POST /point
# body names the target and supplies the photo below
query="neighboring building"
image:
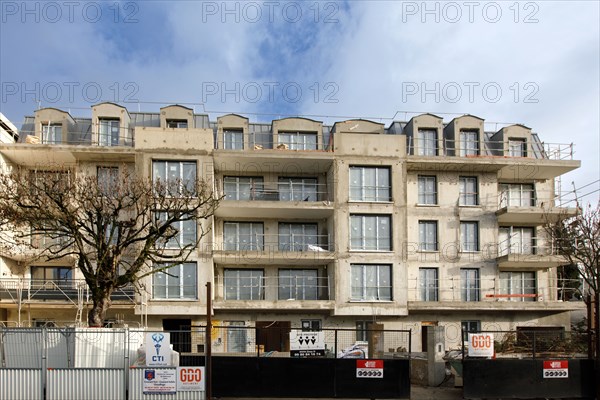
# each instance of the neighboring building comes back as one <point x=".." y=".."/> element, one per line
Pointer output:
<point x="8" y="132"/>
<point x="420" y="223"/>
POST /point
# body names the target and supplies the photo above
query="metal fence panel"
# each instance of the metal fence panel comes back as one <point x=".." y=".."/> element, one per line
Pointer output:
<point x="21" y="348"/>
<point x="100" y="348"/>
<point x="20" y="384"/>
<point x="85" y="384"/>
<point x="136" y="392"/>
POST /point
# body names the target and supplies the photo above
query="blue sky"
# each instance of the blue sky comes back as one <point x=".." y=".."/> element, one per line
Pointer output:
<point x="535" y="63"/>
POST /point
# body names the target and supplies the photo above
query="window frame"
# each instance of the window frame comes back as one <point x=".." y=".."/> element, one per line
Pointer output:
<point x="296" y="140"/>
<point x="468" y="137"/>
<point x="382" y="192"/>
<point x="287" y="188"/>
<point x="183" y="237"/>
<point x="231" y="141"/>
<point x="257" y="245"/>
<point x="521" y="279"/>
<point x="468" y="291"/>
<point x="467" y="246"/>
<point x="108" y="138"/>
<point x="184" y="282"/>
<point x="424" y="244"/>
<point x="379" y="288"/>
<point x="239" y="284"/>
<point x="291" y="245"/>
<point x="380" y="241"/>
<point x="49" y="130"/>
<point x="256" y="186"/>
<point x="177" y="123"/>
<point x="517" y="147"/>
<point x="423" y="194"/>
<point x="425" y="143"/>
<point x="183" y="166"/>
<point x="524" y="193"/>
<point x="307" y="292"/>
<point x="468" y="198"/>
<point x="428" y="290"/>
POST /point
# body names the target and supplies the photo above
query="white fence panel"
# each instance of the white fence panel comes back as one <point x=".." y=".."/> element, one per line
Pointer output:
<point x="136" y="389"/>
<point x="85" y="384"/>
<point x="22" y="348"/>
<point x="100" y="348"/>
<point x="20" y="384"/>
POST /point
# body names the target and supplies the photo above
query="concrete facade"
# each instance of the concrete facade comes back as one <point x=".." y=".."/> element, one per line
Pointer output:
<point x="423" y="223"/>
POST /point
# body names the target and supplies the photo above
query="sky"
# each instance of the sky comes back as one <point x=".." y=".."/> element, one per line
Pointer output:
<point x="531" y="62"/>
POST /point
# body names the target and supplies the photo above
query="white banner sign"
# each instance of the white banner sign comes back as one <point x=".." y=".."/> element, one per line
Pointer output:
<point x="160" y="381"/>
<point x="307" y="344"/>
<point x="158" y="350"/>
<point x="190" y="379"/>
<point x="481" y="345"/>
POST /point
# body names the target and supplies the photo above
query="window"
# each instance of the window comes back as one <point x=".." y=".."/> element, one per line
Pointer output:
<point x="297" y="189"/>
<point x="428" y="284"/>
<point x="428" y="240"/>
<point x="177" y="123"/>
<point x="52" y="133"/>
<point x="243" y="187"/>
<point x="184" y="232"/>
<point x="516" y="195"/>
<point x="469" y="278"/>
<point x="427" y="142"/>
<point x="108" y="179"/>
<point x="297" y="237"/>
<point x="311" y="325"/>
<point x="371" y="232"/>
<point x="469" y="195"/>
<point x="469" y="143"/>
<point x="243" y="236"/>
<point x="370" y="184"/>
<point x="52" y="278"/>
<point x="244" y="284"/>
<point x="521" y="284"/>
<point x="427" y="189"/>
<point x="298" y="284"/>
<point x="176" y="282"/>
<point x="237" y="337"/>
<point x="516" y="240"/>
<point x="371" y="282"/>
<point x="233" y="139"/>
<point x="362" y="329"/>
<point x="298" y="140"/>
<point x="469" y="236"/>
<point x="517" y="147"/>
<point x="108" y="134"/>
<point x="470" y="327"/>
<point x="178" y="176"/>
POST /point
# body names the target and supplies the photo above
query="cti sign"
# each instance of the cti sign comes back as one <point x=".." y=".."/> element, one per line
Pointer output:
<point x="158" y="349"/>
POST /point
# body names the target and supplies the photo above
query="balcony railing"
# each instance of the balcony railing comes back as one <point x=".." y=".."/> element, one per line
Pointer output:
<point x="55" y="289"/>
<point x="264" y="141"/>
<point x="453" y="289"/>
<point x="294" y="242"/>
<point x="288" y="191"/>
<point x="527" y="246"/>
<point x="273" y="288"/>
<point x="538" y="150"/>
<point x="83" y="138"/>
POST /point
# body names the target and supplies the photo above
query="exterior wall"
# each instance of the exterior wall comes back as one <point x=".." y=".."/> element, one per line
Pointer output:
<point x="179" y="113"/>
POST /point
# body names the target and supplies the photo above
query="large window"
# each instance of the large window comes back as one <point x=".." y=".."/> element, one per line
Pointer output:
<point x="371" y="282"/>
<point x="297" y="189"/>
<point x="427" y="142"/>
<point x="469" y="143"/>
<point x="428" y="236"/>
<point x="243" y="187"/>
<point x="427" y="190"/>
<point x="52" y="133"/>
<point x="233" y="139"/>
<point x="298" y="140"/>
<point x="428" y="284"/>
<point x="297" y="236"/>
<point x="108" y="179"/>
<point x="370" y="184"/>
<point x="51" y="278"/>
<point x="469" y="194"/>
<point x="298" y="284"/>
<point x="517" y="147"/>
<point x="469" y="284"/>
<point x="178" y="176"/>
<point x="244" y="284"/>
<point x="472" y="326"/>
<point x="516" y="240"/>
<point x="516" y="195"/>
<point x="371" y="232"/>
<point x="177" y="123"/>
<point x="108" y="132"/>
<point x="520" y="286"/>
<point x="177" y="282"/>
<point x="184" y="232"/>
<point x="469" y="236"/>
<point x="243" y="236"/>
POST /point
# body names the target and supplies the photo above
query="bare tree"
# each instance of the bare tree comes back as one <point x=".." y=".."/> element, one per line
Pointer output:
<point x="117" y="230"/>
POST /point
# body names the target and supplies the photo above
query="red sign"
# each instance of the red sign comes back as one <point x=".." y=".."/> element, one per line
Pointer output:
<point x="369" y="368"/>
<point x="556" y="369"/>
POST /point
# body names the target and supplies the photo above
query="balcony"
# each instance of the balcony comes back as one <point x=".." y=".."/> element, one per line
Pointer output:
<point x="530" y="208"/>
<point x="293" y="249"/>
<point x="55" y="291"/>
<point x="294" y="200"/>
<point x="490" y="294"/>
<point x="528" y="253"/>
<point x="273" y="293"/>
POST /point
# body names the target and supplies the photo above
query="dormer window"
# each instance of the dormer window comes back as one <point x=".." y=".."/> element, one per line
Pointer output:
<point x="517" y="147"/>
<point x="177" y="123"/>
<point x="108" y="132"/>
<point x="52" y="133"/>
<point x="427" y="142"/>
<point x="469" y="143"/>
<point x="297" y="140"/>
<point x="233" y="139"/>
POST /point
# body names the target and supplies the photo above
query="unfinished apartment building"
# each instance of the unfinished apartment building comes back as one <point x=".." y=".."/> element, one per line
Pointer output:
<point x="420" y="223"/>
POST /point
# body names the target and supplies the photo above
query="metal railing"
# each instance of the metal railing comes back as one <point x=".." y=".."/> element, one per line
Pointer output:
<point x="265" y="141"/>
<point x="56" y="289"/>
<point x="87" y="138"/>
<point x="273" y="288"/>
<point x="282" y="191"/>
<point x="540" y="246"/>
<point x="293" y="242"/>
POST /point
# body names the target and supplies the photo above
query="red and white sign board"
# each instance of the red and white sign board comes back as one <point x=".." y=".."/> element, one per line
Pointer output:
<point x="481" y="345"/>
<point x="369" y="368"/>
<point x="556" y="369"/>
<point x="190" y="379"/>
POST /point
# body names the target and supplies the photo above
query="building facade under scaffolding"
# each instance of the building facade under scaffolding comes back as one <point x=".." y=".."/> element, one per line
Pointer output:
<point x="419" y="223"/>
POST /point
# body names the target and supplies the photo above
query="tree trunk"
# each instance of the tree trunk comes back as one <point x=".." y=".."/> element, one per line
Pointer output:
<point x="100" y="305"/>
